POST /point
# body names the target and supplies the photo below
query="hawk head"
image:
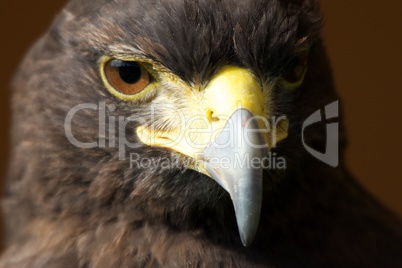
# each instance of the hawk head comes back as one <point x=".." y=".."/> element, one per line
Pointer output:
<point x="166" y="111"/>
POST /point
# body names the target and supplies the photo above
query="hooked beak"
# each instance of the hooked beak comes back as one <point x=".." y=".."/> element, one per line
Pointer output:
<point x="242" y="182"/>
<point x="233" y="107"/>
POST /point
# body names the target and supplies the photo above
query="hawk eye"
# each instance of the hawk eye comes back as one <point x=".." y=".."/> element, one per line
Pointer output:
<point x="295" y="70"/>
<point x="126" y="77"/>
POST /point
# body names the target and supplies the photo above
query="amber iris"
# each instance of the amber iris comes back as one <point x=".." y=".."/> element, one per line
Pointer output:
<point x="127" y="77"/>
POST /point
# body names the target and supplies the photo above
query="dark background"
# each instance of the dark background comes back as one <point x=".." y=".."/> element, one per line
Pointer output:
<point x="364" y="42"/>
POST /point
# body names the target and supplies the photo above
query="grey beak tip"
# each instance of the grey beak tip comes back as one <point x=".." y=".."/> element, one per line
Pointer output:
<point x="246" y="240"/>
<point x="247" y="218"/>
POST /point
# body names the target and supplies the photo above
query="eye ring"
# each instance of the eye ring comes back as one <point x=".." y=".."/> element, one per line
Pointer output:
<point x="294" y="72"/>
<point x="126" y="79"/>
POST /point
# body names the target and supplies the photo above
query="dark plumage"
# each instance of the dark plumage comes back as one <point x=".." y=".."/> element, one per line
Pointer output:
<point x="73" y="207"/>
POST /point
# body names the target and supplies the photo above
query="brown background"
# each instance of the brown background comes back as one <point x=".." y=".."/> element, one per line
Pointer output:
<point x="364" y="41"/>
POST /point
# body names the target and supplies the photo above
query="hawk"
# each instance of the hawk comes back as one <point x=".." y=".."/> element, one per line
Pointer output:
<point x="173" y="134"/>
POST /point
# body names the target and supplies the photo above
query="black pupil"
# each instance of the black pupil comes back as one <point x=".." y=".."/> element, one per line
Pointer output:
<point x="130" y="72"/>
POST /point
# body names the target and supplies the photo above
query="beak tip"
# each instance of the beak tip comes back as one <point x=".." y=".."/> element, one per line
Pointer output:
<point x="246" y="240"/>
<point x="247" y="228"/>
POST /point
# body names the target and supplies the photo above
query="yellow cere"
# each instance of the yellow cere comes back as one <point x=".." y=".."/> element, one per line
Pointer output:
<point x="233" y="88"/>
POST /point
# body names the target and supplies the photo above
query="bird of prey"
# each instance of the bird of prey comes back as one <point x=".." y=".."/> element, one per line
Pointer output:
<point x="141" y="135"/>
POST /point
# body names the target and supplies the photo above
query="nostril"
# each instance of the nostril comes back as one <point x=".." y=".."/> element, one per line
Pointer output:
<point x="210" y="115"/>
